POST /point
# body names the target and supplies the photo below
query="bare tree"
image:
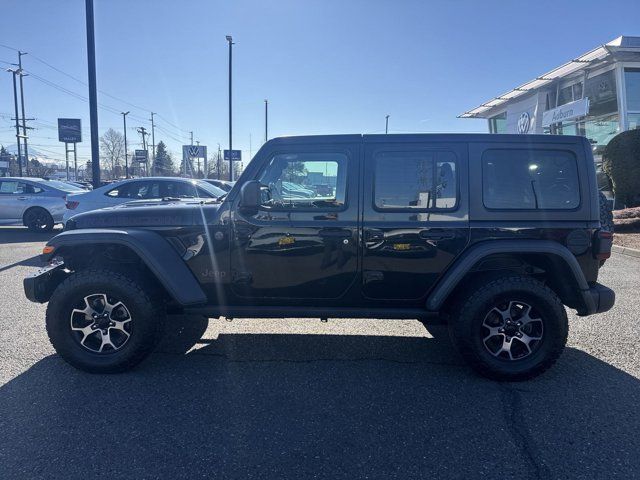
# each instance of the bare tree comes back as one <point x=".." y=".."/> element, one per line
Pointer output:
<point x="112" y="150"/>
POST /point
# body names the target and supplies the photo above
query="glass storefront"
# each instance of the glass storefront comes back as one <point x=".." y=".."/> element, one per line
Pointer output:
<point x="634" y="120"/>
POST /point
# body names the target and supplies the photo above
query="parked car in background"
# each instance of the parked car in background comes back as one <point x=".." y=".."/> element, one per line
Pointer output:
<point x="33" y="202"/>
<point x="221" y="184"/>
<point x="139" y="189"/>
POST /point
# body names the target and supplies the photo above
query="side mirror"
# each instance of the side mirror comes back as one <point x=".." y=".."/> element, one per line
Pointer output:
<point x="250" y="197"/>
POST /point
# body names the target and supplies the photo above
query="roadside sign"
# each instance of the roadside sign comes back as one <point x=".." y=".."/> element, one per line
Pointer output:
<point x="140" y="156"/>
<point x="235" y="155"/>
<point x="69" y="130"/>
<point x="194" y="151"/>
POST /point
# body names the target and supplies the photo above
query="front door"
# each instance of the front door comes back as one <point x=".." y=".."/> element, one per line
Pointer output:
<point x="302" y="243"/>
<point x="15" y="197"/>
<point x="415" y="216"/>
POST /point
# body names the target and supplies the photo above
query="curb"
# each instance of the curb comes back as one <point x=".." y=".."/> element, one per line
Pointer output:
<point x="632" y="252"/>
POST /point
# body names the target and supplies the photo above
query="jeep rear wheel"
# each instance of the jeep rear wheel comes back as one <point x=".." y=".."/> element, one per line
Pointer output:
<point x="513" y="328"/>
<point x="102" y="321"/>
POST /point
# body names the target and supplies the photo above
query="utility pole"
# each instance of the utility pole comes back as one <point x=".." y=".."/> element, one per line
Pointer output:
<point x="24" y="121"/>
<point x="198" y="172"/>
<point x="126" y="153"/>
<point x="219" y="163"/>
<point x="386" y="128"/>
<point x="93" y="94"/>
<point x="266" y="120"/>
<point x="191" y="137"/>
<point x="143" y="131"/>
<point x="15" y="103"/>
<point x="230" y="40"/>
<point x="153" y="145"/>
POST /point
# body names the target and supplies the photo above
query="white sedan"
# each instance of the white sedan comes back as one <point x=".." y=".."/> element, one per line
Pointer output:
<point x="138" y="189"/>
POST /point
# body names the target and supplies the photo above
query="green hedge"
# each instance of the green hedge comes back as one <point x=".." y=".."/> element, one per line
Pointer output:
<point x="621" y="161"/>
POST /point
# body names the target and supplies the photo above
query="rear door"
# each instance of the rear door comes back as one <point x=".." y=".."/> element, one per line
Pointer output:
<point x="415" y="215"/>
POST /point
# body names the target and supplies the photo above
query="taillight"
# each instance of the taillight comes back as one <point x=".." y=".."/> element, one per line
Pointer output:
<point x="602" y="244"/>
<point x="71" y="205"/>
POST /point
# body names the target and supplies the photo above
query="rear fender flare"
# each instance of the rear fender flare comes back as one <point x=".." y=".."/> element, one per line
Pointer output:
<point x="463" y="265"/>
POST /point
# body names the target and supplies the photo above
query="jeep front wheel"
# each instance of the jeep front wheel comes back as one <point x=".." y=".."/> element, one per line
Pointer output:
<point x="512" y="328"/>
<point x="103" y="322"/>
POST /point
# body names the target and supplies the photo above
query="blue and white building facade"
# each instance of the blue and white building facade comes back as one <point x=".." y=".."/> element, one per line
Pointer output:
<point x="596" y="95"/>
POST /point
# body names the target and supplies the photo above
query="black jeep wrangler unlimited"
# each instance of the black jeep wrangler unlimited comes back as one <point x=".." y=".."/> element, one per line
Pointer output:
<point x="492" y="233"/>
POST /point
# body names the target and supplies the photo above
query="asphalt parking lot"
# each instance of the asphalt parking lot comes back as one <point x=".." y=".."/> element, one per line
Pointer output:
<point x="304" y="399"/>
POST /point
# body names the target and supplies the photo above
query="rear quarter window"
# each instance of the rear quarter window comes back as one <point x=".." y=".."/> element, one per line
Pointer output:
<point x="527" y="179"/>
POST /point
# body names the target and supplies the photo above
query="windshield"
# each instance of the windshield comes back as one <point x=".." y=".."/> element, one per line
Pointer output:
<point x="213" y="190"/>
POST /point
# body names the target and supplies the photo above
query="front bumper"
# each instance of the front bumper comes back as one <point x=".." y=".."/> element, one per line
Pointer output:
<point x="39" y="286"/>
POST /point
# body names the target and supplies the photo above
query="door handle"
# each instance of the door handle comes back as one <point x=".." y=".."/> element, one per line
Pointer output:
<point x="435" y="235"/>
<point x="373" y="235"/>
<point x="23" y="198"/>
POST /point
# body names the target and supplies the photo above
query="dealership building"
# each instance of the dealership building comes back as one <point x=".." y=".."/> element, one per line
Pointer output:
<point x="596" y="95"/>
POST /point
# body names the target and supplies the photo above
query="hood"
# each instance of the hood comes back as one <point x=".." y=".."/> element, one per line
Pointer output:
<point x="153" y="213"/>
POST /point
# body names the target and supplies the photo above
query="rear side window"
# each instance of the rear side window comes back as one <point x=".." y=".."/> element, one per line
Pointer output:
<point x="136" y="190"/>
<point x="530" y="180"/>
<point x="415" y="180"/>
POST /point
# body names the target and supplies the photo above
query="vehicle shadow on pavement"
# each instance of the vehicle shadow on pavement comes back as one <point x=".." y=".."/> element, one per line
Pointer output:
<point x="321" y="406"/>
<point x="34" y="261"/>
<point x="23" y="235"/>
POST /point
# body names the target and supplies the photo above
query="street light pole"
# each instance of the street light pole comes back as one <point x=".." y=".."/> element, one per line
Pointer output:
<point x="93" y="94"/>
<point x="126" y="154"/>
<point x="386" y="128"/>
<point x="230" y="40"/>
<point x="266" y="120"/>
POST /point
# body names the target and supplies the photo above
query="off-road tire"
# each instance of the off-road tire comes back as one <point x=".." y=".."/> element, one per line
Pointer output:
<point x="37" y="219"/>
<point x="468" y="315"/>
<point x="147" y="315"/>
<point x="606" y="215"/>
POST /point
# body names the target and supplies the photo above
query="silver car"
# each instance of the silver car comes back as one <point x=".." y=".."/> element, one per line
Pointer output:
<point x="36" y="203"/>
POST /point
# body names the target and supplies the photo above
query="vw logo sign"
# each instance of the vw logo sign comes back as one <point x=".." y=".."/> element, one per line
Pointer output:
<point x="524" y="122"/>
<point x="193" y="151"/>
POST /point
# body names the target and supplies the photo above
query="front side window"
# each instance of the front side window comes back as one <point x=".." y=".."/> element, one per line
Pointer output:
<point x="415" y="180"/>
<point x="530" y="180"/>
<point x="305" y="181"/>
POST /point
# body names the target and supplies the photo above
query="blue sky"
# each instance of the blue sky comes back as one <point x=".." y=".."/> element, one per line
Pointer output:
<point x="326" y="66"/>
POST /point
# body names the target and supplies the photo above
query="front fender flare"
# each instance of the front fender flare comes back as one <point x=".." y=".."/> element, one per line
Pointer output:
<point x="157" y="254"/>
<point x="463" y="265"/>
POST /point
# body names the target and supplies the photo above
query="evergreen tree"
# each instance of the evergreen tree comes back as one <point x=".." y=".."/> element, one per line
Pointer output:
<point x="163" y="163"/>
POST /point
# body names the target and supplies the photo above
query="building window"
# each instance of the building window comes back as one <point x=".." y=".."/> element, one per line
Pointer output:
<point x="565" y="95"/>
<point x="634" y="120"/>
<point x="632" y="86"/>
<point x="415" y="180"/>
<point x="498" y="124"/>
<point x="530" y="180"/>
<point x="602" y="94"/>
